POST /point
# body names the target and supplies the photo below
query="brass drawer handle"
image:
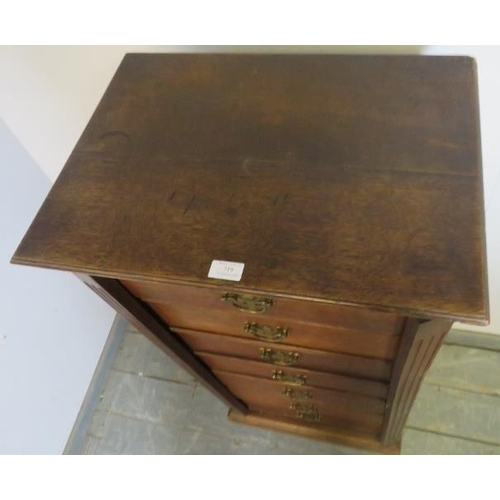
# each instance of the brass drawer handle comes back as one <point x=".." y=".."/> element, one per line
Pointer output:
<point x="294" y="394"/>
<point x="279" y="357"/>
<point x="288" y="378"/>
<point x="264" y="332"/>
<point x="306" y="412"/>
<point x="248" y="303"/>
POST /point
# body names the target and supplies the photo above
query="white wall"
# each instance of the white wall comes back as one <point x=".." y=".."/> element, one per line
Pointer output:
<point x="48" y="94"/>
<point x="53" y="328"/>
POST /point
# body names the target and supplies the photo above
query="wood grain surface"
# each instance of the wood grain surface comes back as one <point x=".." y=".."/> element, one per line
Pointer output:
<point x="324" y="337"/>
<point x="312" y="359"/>
<point x="207" y="298"/>
<point x="344" y="179"/>
<point x="289" y="375"/>
<point x="268" y="394"/>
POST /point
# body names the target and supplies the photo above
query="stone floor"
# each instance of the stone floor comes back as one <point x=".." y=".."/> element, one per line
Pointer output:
<point x="151" y="406"/>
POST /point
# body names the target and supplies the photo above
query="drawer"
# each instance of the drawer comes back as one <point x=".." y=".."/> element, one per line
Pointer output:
<point x="310" y="404"/>
<point x="280" y="330"/>
<point x="299" y="357"/>
<point x="295" y="377"/>
<point x="265" y="392"/>
<point x="266" y="306"/>
<point x="307" y="415"/>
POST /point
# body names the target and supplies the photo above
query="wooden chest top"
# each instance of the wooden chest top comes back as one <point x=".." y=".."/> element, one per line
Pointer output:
<point x="345" y="179"/>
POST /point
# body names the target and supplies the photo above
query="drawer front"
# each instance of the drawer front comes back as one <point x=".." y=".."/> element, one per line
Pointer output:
<point x="309" y="404"/>
<point x="294" y="377"/>
<point x="298" y="357"/>
<point x="307" y="415"/>
<point x="331" y="402"/>
<point x="266" y="306"/>
<point x="280" y="331"/>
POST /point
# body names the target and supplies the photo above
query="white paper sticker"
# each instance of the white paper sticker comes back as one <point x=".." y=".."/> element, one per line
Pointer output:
<point x="224" y="270"/>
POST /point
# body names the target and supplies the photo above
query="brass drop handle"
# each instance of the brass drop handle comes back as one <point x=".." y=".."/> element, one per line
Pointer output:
<point x="294" y="394"/>
<point x="288" y="378"/>
<point x="279" y="357"/>
<point x="264" y="332"/>
<point x="306" y="412"/>
<point x="248" y="303"/>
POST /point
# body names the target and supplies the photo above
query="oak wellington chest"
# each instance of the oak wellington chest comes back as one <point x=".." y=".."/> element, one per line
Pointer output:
<point x="298" y="231"/>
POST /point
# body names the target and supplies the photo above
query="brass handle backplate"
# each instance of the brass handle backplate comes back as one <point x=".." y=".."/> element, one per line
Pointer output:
<point x="289" y="378"/>
<point x="279" y="357"/>
<point x="248" y="303"/>
<point x="264" y="332"/>
<point x="294" y="394"/>
<point x="306" y="412"/>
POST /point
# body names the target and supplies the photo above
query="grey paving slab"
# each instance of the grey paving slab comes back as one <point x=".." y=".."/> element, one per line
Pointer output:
<point x="79" y="432"/>
<point x="473" y="339"/>
<point x="132" y="329"/>
<point x="97" y="428"/>
<point x="91" y="446"/>
<point x="103" y="448"/>
<point x="286" y="444"/>
<point x="466" y="368"/>
<point x="254" y="445"/>
<point x="453" y="412"/>
<point x="417" y="442"/>
<point x="210" y="414"/>
<point x="147" y="399"/>
<point x="196" y="442"/>
<point x="121" y="435"/>
<point x="139" y="355"/>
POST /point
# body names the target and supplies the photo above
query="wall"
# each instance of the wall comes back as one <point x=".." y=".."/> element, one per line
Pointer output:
<point x="47" y="95"/>
<point x="53" y="328"/>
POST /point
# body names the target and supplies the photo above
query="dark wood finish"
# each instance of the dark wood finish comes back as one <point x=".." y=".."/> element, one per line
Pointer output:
<point x="328" y="338"/>
<point x="312" y="378"/>
<point x="421" y="342"/>
<point x="311" y="359"/>
<point x="209" y="299"/>
<point x="120" y="299"/>
<point x="357" y="422"/>
<point x="258" y="392"/>
<point x="347" y="437"/>
<point x="333" y="178"/>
